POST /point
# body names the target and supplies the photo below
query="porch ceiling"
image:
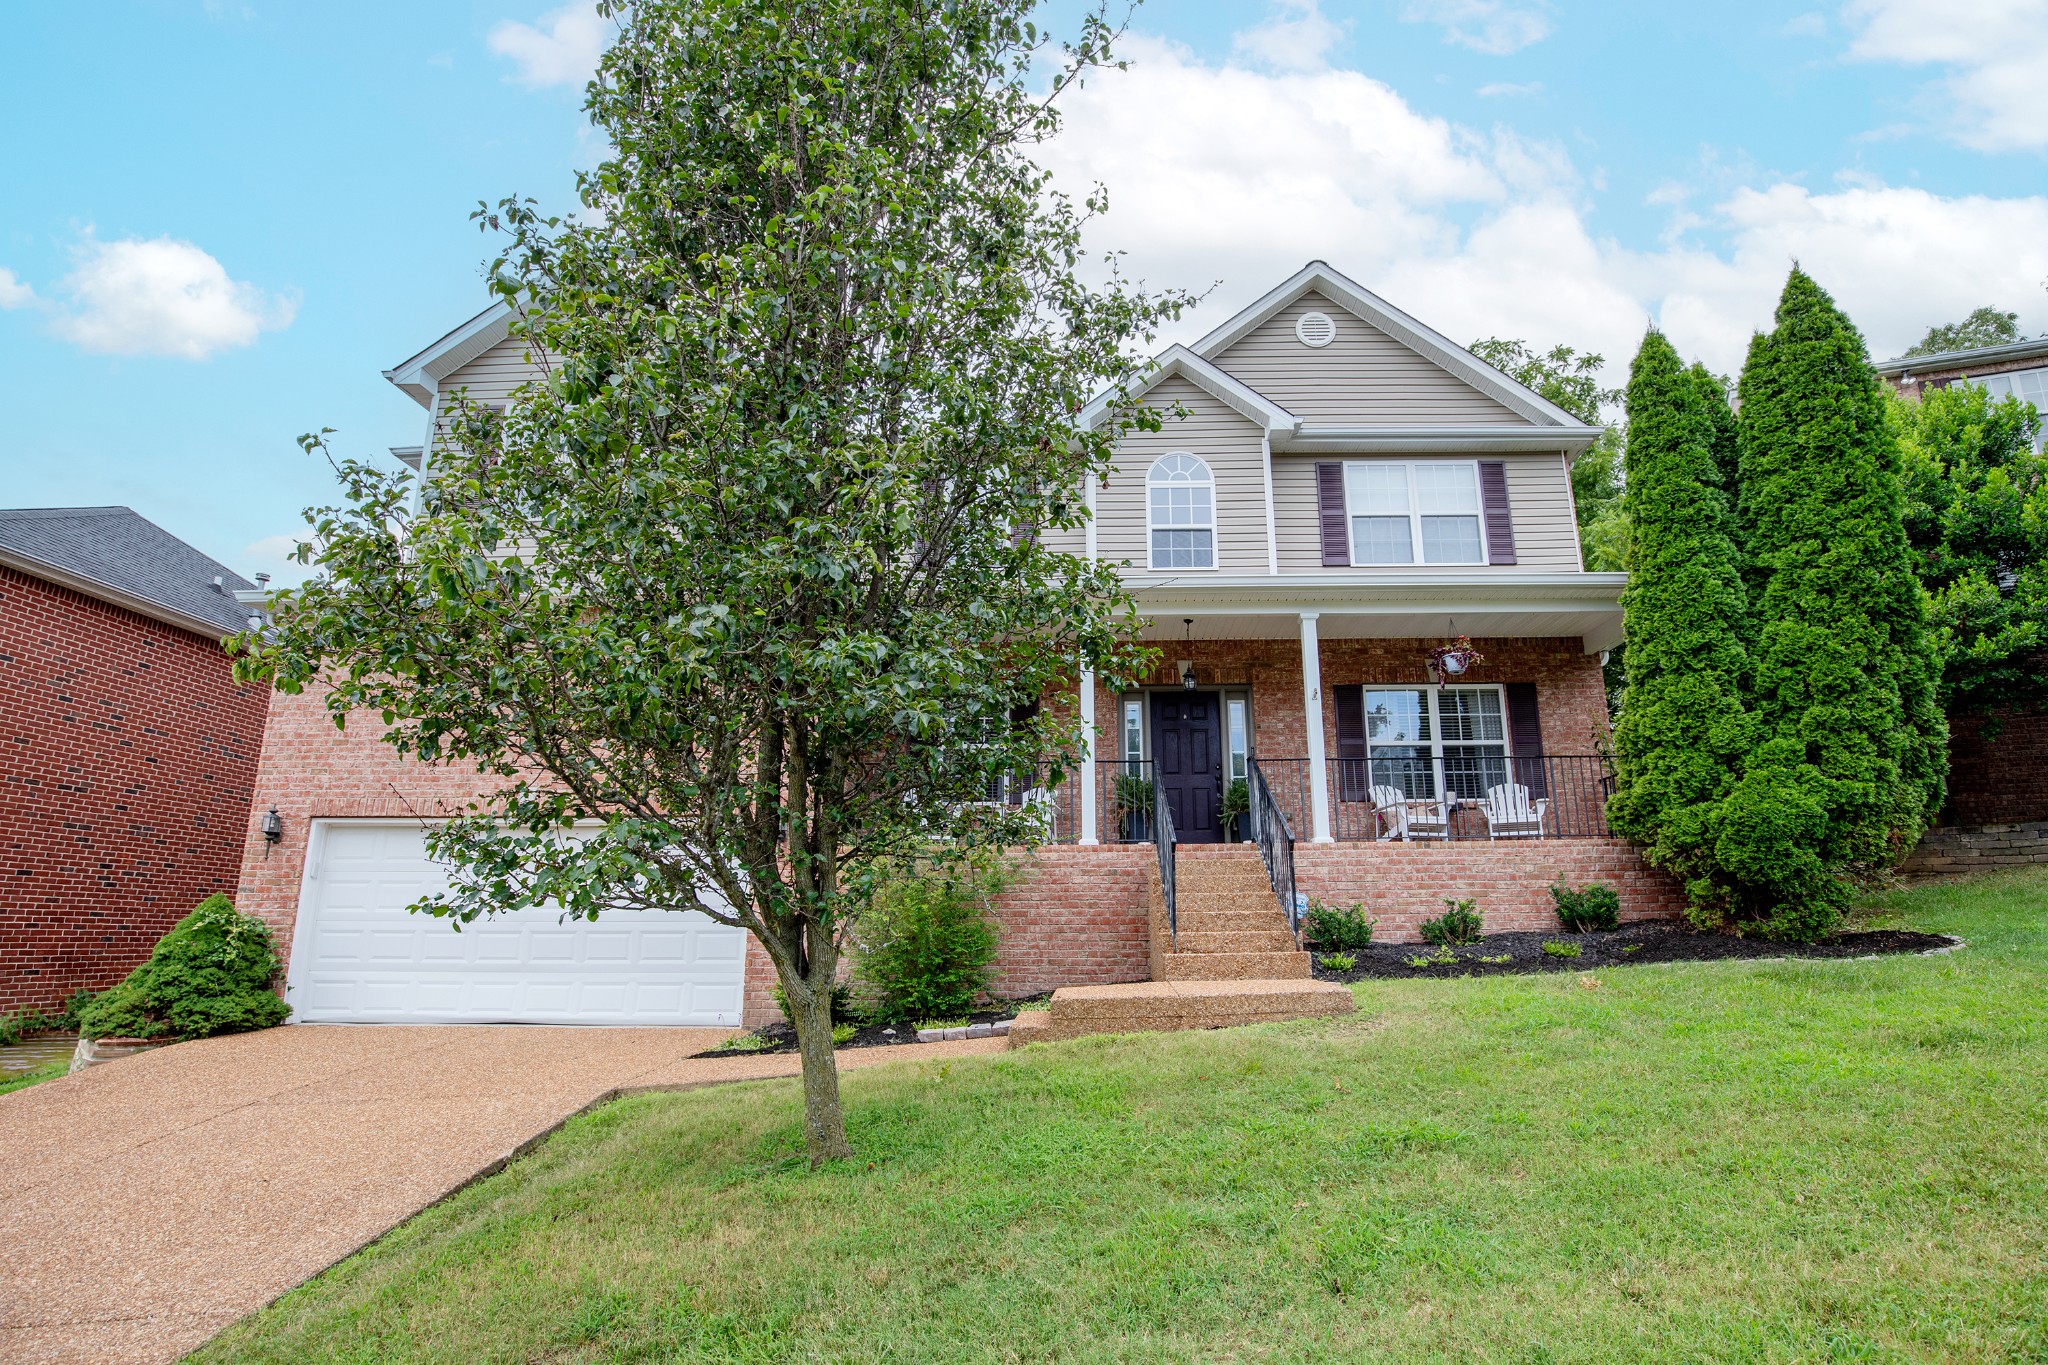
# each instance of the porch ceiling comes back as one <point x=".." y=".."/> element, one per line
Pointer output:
<point x="1348" y="607"/>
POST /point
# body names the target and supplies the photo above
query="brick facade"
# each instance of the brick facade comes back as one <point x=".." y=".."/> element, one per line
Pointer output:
<point x="130" y="755"/>
<point x="2001" y="780"/>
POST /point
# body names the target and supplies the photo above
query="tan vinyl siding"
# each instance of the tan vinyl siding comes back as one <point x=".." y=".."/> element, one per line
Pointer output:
<point x="494" y="374"/>
<point x="1539" y="500"/>
<point x="1363" y="378"/>
<point x="1233" y="449"/>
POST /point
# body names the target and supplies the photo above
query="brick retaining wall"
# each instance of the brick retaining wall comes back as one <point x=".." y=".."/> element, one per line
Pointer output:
<point x="2002" y="780"/>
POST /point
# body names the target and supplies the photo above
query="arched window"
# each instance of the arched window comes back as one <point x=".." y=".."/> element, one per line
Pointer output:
<point x="1181" y="493"/>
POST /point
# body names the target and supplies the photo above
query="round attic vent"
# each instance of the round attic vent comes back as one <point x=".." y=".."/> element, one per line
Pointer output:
<point x="1315" y="329"/>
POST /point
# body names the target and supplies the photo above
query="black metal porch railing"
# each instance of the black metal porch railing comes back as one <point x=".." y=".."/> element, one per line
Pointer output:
<point x="1162" y="839"/>
<point x="1123" y="802"/>
<point x="1275" y="836"/>
<point x="1458" y="796"/>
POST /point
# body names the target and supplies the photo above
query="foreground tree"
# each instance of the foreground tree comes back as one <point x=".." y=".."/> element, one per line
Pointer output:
<point x="1850" y="766"/>
<point x="1683" y="730"/>
<point x="1977" y="519"/>
<point x="737" y="602"/>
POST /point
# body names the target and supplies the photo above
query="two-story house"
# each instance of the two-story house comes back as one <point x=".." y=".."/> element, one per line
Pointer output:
<point x="1338" y="494"/>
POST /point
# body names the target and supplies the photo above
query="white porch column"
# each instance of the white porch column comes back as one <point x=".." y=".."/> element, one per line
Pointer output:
<point x="1312" y="713"/>
<point x="1088" y="835"/>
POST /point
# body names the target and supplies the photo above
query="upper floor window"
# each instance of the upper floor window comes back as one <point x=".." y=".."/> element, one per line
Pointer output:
<point x="1426" y="512"/>
<point x="1181" y="495"/>
<point x="2029" y="386"/>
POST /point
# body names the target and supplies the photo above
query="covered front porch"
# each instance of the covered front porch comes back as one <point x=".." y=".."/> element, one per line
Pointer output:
<point x="1323" y="706"/>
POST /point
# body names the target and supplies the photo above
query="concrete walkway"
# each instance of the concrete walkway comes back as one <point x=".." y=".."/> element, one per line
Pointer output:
<point x="148" y="1203"/>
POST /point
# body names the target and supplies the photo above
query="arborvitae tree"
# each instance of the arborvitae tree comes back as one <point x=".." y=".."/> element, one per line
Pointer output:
<point x="1851" y="759"/>
<point x="1683" y="730"/>
<point x="1723" y="436"/>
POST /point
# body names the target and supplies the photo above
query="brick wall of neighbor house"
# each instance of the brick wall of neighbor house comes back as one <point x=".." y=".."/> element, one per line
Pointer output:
<point x="1403" y="884"/>
<point x="127" y="755"/>
<point x="2000" y="780"/>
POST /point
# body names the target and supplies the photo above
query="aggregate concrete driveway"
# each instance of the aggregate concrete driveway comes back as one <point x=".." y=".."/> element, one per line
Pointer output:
<point x="148" y="1203"/>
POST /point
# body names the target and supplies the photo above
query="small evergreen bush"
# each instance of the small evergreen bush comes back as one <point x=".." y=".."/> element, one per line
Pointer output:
<point x="1592" y="909"/>
<point x="211" y="974"/>
<point x="1459" y="923"/>
<point x="1339" y="962"/>
<point x="1337" y="928"/>
<point x="929" y="945"/>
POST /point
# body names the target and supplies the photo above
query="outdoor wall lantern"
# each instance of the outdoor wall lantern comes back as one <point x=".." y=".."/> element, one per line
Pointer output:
<point x="273" y="831"/>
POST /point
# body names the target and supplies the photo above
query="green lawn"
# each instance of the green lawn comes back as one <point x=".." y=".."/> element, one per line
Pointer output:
<point x="1779" y="1162"/>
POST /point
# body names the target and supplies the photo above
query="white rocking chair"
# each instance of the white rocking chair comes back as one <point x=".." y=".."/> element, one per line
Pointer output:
<point x="1401" y="817"/>
<point x="1510" y="814"/>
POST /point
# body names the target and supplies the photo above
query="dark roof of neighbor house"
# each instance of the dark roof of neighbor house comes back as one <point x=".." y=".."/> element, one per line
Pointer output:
<point x="120" y="556"/>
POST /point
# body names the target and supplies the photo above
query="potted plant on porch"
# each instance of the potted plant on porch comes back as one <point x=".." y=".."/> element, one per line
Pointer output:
<point x="1237" y="800"/>
<point x="1134" y="806"/>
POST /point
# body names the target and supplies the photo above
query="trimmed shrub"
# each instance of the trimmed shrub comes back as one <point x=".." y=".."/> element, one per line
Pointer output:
<point x="1849" y="766"/>
<point x="1459" y="923"/>
<point x="1337" y="928"/>
<point x="928" y="945"/>
<point x="1683" y="731"/>
<point x="1592" y="909"/>
<point x="210" y="974"/>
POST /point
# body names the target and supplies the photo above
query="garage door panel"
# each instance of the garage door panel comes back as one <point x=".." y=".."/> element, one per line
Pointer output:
<point x="362" y="957"/>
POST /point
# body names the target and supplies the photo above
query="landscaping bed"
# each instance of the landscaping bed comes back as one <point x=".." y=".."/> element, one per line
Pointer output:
<point x="781" y="1037"/>
<point x="1632" y="944"/>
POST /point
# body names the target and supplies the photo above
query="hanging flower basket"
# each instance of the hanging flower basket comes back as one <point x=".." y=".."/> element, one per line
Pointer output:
<point x="1454" y="659"/>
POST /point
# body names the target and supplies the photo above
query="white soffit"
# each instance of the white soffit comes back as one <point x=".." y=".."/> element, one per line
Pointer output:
<point x="1179" y="361"/>
<point x="420" y="376"/>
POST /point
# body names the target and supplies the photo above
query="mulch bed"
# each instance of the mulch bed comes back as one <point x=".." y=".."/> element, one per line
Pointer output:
<point x="1628" y="945"/>
<point x="781" y="1037"/>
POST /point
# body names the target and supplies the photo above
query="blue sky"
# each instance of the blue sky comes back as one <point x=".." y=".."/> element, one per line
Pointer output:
<point x="220" y="221"/>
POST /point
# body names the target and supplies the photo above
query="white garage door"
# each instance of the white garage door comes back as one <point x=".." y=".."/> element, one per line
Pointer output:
<point x="358" y="957"/>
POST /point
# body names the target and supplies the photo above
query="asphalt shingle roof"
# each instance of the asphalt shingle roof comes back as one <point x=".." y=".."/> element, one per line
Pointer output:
<point x="122" y="550"/>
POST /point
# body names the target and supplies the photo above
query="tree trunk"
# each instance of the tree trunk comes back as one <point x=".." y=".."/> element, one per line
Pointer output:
<point x="810" y="1007"/>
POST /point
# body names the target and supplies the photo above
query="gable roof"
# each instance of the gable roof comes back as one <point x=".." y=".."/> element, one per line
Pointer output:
<point x="1178" y="361"/>
<point x="1423" y="340"/>
<point x="420" y="375"/>
<point x="118" y="556"/>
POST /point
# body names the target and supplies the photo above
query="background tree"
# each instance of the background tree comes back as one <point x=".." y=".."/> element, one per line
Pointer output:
<point x="1984" y="327"/>
<point x="1851" y="762"/>
<point x="1977" y="519"/>
<point x="736" y="602"/>
<point x="1683" y="731"/>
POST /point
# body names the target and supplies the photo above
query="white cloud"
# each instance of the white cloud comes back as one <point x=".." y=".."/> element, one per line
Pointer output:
<point x="1495" y="27"/>
<point x="162" y="297"/>
<point x="1295" y="37"/>
<point x="13" y="292"/>
<point x="273" y="555"/>
<point x="1995" y="97"/>
<point x="562" y="50"/>
<point x="1505" y="89"/>
<point x="1230" y="176"/>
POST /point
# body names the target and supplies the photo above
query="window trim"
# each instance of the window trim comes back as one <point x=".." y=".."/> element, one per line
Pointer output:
<point x="1214" y="530"/>
<point x="1415" y="515"/>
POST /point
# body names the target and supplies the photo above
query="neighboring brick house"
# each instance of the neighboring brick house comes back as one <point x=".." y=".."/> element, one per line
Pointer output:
<point x="1337" y="492"/>
<point x="2000" y="778"/>
<point x="127" y="751"/>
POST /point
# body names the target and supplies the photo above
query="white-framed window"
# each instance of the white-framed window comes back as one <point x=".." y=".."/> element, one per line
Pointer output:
<point x="1133" y="750"/>
<point x="1237" y="736"/>
<point x="1180" y="496"/>
<point x="1414" y="512"/>
<point x="2029" y="386"/>
<point x="1426" y="741"/>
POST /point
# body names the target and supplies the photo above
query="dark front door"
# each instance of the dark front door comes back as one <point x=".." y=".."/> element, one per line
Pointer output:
<point x="1187" y="734"/>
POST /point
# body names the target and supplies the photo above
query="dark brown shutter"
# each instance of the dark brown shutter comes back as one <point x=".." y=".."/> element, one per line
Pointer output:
<point x="1330" y="514"/>
<point x="1493" y="501"/>
<point x="1525" y="739"/>
<point x="1352" y="782"/>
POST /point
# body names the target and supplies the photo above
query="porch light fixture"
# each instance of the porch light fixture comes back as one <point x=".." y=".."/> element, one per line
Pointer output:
<point x="1187" y="667"/>
<point x="273" y="831"/>
<point x="1454" y="659"/>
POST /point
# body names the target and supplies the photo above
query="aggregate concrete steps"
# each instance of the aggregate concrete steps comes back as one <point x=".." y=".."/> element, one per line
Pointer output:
<point x="1290" y="965"/>
<point x="1167" y="1006"/>
<point x="1264" y="938"/>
